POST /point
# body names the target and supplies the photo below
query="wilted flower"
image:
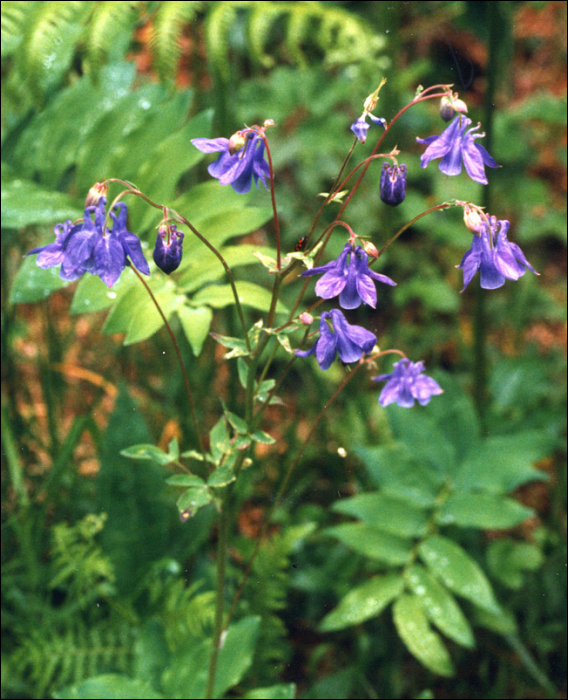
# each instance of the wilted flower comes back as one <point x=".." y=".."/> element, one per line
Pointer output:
<point x="360" y="126"/>
<point x="455" y="144"/>
<point x="393" y="184"/>
<point x="237" y="168"/>
<point x="168" y="249"/>
<point x="352" y="281"/>
<point x="349" y="341"/>
<point x="407" y="384"/>
<point x="86" y="247"/>
<point x="494" y="256"/>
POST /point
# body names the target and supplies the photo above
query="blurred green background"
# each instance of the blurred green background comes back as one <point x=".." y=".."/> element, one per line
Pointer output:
<point x="94" y="558"/>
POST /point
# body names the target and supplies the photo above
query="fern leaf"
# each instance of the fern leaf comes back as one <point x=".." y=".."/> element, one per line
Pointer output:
<point x="51" y="36"/>
<point x="297" y="30"/>
<point x="217" y="29"/>
<point x="110" y="30"/>
<point x="260" y="23"/>
<point x="167" y="29"/>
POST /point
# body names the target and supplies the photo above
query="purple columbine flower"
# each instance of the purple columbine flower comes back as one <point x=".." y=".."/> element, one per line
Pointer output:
<point x="84" y="247"/>
<point x="350" y="342"/>
<point x="236" y="169"/>
<point x="494" y="256"/>
<point x="352" y="281"/>
<point x="455" y="144"/>
<point x="407" y="384"/>
<point x="360" y="126"/>
<point x="168" y="249"/>
<point x="393" y="184"/>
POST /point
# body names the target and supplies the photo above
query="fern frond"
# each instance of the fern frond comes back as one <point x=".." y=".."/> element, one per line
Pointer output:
<point x="14" y="16"/>
<point x="217" y="28"/>
<point x="110" y="30"/>
<point x="297" y="30"/>
<point x="51" y="658"/>
<point x="260" y="23"/>
<point x="51" y="36"/>
<point x="167" y="29"/>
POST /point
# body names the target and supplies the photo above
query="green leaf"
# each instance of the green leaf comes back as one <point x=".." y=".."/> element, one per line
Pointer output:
<point x="146" y="451"/>
<point x="219" y="439"/>
<point x="239" y="347"/>
<point x="386" y="513"/>
<point x="501" y="464"/>
<point x="173" y="449"/>
<point x="482" y="510"/>
<point x="32" y="283"/>
<point x="461" y="574"/>
<point x="440" y="606"/>
<point x="111" y="686"/>
<point x="151" y="652"/>
<point x="236" y="654"/>
<point x="372" y="543"/>
<point x="509" y="560"/>
<point x="364" y="602"/>
<point x="237" y="422"/>
<point x="219" y="296"/>
<point x="92" y="294"/>
<point x="414" y="630"/>
<point x="223" y="224"/>
<point x="264" y="438"/>
<point x="221" y="477"/>
<point x="25" y="204"/>
<point x="502" y="622"/>
<point x="196" y="323"/>
<point x="185" y="480"/>
<point x="193" y="454"/>
<point x="275" y="692"/>
<point x="193" y="499"/>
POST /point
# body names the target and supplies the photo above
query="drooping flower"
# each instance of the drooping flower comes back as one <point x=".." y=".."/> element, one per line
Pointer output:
<point x="85" y="247"/>
<point x="360" y="126"/>
<point x="407" y="384"/>
<point x="456" y="144"/>
<point x="348" y="341"/>
<point x="494" y="256"/>
<point x="393" y="184"/>
<point x="237" y="168"/>
<point x="352" y="281"/>
<point x="168" y="249"/>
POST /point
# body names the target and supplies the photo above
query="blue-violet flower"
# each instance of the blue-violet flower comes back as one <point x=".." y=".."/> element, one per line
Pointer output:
<point x="352" y="281"/>
<point x="393" y="184"/>
<point x="85" y="247"/>
<point x="457" y="143"/>
<point x="349" y="341"/>
<point x="360" y="126"/>
<point x="236" y="168"/>
<point x="494" y="256"/>
<point x="406" y="384"/>
<point x="168" y="249"/>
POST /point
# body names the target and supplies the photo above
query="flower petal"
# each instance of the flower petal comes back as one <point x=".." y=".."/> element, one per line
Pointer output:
<point x="211" y="145"/>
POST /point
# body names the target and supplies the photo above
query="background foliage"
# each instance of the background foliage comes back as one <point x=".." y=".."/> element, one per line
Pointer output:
<point x="426" y="558"/>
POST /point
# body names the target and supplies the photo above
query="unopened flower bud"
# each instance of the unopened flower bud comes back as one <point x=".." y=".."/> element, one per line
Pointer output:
<point x="168" y="250"/>
<point x="393" y="184"/>
<point x="306" y="319"/>
<point x="236" y="142"/>
<point x="96" y="193"/>
<point x="447" y="111"/>
<point x="472" y="219"/>
<point x="370" y="249"/>
<point x="460" y="106"/>
<point x="268" y="123"/>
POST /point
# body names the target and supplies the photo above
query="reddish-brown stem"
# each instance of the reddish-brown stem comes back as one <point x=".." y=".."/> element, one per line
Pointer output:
<point x="273" y="199"/>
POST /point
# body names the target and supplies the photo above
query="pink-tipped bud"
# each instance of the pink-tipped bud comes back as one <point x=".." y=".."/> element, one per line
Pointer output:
<point x="97" y="191"/>
<point x="306" y="319"/>
<point x="472" y="219"/>
<point x="236" y="142"/>
<point x="370" y="249"/>
<point x="268" y="123"/>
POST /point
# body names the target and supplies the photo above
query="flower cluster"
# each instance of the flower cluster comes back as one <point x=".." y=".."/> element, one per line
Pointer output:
<point x="87" y="246"/>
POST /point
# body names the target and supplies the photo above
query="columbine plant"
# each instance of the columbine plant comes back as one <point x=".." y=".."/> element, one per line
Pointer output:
<point x="101" y="244"/>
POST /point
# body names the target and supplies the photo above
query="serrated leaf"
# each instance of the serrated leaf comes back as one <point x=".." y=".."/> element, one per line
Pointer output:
<point x="364" y="602"/>
<point x="196" y="323"/>
<point x="147" y="451"/>
<point x="264" y="438"/>
<point x="219" y="296"/>
<point x="222" y="476"/>
<point x="458" y="571"/>
<point x="482" y="510"/>
<point x="188" y="480"/>
<point x="427" y="646"/>
<point x="372" y="543"/>
<point x="440" y="606"/>
<point x="386" y="513"/>
<point x="32" y="283"/>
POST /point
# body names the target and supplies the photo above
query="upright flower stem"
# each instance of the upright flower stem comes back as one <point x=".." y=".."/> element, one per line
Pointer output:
<point x="180" y="361"/>
<point x="273" y="200"/>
